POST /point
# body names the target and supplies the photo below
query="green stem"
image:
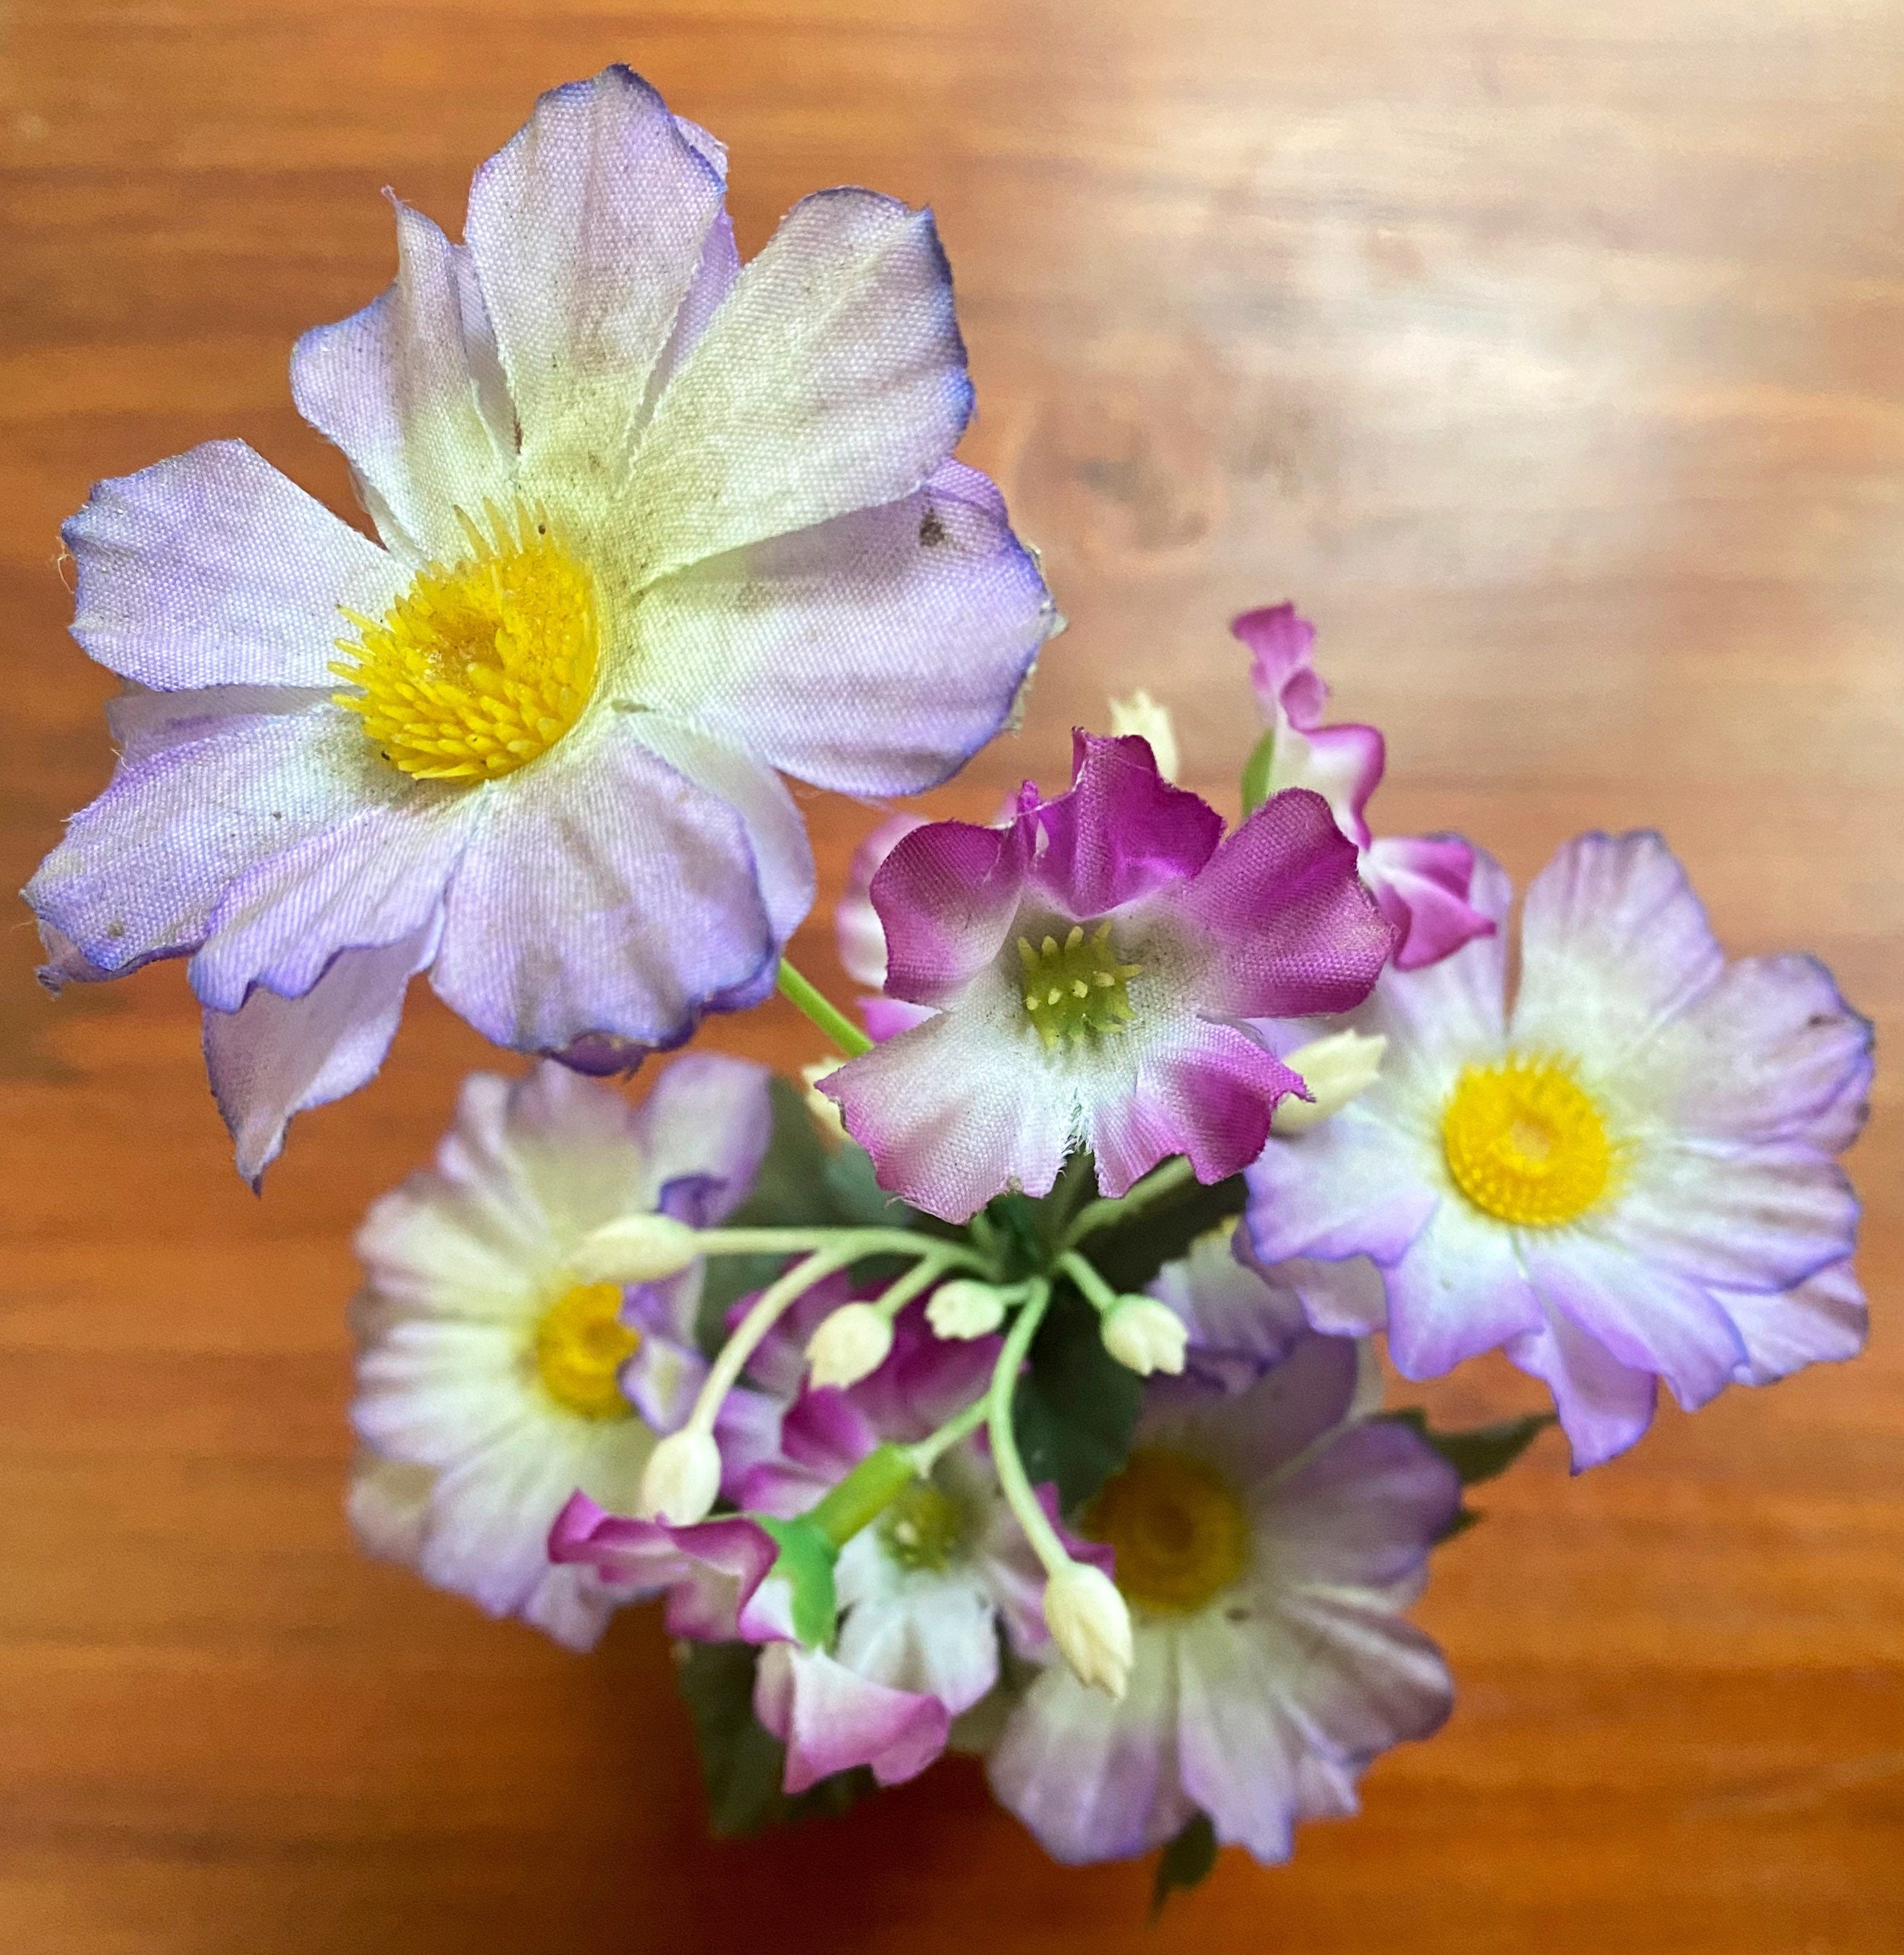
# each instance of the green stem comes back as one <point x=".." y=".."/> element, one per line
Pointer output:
<point x="1093" y="1286"/>
<point x="926" y="1453"/>
<point x="1012" y="1478"/>
<point x="864" y="1494"/>
<point x="858" y="1241"/>
<point x="1113" y="1208"/>
<point x="823" y="1012"/>
<point x="901" y="1290"/>
<point x="773" y="1301"/>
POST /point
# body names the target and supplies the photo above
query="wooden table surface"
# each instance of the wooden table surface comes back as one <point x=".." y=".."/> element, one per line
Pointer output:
<point x="1551" y="354"/>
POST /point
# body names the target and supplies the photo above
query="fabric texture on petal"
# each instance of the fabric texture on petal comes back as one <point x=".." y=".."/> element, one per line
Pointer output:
<point x="947" y="896"/>
<point x="831" y="1719"/>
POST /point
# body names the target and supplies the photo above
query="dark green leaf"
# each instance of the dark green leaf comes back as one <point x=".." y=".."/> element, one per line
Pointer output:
<point x="806" y="1560"/>
<point x="1256" y="773"/>
<point x="1127" y="1254"/>
<point x="742" y="1764"/>
<point x="1185" y="1862"/>
<point x="1076" y="1405"/>
<point x="1483" y="1451"/>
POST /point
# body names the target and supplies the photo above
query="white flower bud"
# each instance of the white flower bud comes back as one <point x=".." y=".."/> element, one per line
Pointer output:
<point x="825" y="1114"/>
<point x="1335" y="1069"/>
<point x="850" y="1345"/>
<point x="1142" y="714"/>
<point x="683" y="1478"/>
<point x="1145" y="1336"/>
<point x="965" y="1308"/>
<point x="1091" y="1626"/>
<point x="635" y="1249"/>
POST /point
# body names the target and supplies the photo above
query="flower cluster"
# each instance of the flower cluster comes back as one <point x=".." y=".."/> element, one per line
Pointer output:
<point x="1026" y="1400"/>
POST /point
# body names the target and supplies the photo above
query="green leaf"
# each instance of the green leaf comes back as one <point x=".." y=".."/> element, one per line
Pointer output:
<point x="742" y="1763"/>
<point x="1076" y="1405"/>
<point x="1185" y="1862"/>
<point x="1127" y="1254"/>
<point x="1256" y="773"/>
<point x="806" y="1561"/>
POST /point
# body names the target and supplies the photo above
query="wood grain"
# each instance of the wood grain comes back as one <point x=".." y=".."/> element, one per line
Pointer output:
<point x="1553" y="355"/>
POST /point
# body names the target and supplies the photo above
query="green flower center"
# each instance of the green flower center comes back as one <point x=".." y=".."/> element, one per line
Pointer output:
<point x="924" y="1527"/>
<point x="1077" y="989"/>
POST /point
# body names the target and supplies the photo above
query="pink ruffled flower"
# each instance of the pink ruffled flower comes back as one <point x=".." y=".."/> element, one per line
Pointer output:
<point x="1089" y="967"/>
<point x="1267" y="1542"/>
<point x="654" y="529"/>
<point x="1622" y="1172"/>
<point x="1421" y="881"/>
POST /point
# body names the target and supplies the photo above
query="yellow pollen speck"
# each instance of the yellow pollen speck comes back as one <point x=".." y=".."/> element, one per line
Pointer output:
<point x="1076" y="991"/>
<point x="1526" y="1143"/>
<point x="1179" y="1533"/>
<point x="580" y="1346"/>
<point x="480" y="668"/>
<point x="924" y="1527"/>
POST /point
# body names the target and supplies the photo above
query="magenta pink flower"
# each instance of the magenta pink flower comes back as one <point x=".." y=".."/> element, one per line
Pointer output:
<point x="1421" y="881"/>
<point x="1089" y="966"/>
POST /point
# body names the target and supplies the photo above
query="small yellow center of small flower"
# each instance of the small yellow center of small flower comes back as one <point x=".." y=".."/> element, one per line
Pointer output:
<point x="1076" y="990"/>
<point x="581" y="1345"/>
<point x="924" y="1527"/>
<point x="481" y="667"/>
<point x="1526" y="1143"/>
<point x="1178" y="1531"/>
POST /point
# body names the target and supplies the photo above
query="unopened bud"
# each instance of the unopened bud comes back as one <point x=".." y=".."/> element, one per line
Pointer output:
<point x="1142" y="714"/>
<point x="635" y="1249"/>
<point x="965" y="1308"/>
<point x="850" y="1345"/>
<point x="683" y="1478"/>
<point x="1335" y="1069"/>
<point x="1091" y="1626"/>
<point x="1145" y="1336"/>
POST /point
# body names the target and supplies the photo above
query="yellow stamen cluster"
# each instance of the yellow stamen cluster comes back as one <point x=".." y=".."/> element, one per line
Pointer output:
<point x="480" y="667"/>
<point x="1526" y="1143"/>
<point x="1179" y="1532"/>
<point x="924" y="1527"/>
<point x="1078" y="989"/>
<point x="580" y="1346"/>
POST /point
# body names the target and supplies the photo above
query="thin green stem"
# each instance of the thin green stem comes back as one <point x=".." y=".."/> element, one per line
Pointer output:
<point x="1012" y="1478"/>
<point x="1113" y="1208"/>
<point x="901" y="1290"/>
<point x="858" y="1241"/>
<point x="823" y="1012"/>
<point x="925" y="1452"/>
<point x="772" y="1302"/>
<point x="1087" y="1279"/>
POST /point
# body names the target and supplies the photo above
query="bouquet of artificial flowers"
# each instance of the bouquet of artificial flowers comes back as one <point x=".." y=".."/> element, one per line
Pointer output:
<point x="1008" y="1384"/>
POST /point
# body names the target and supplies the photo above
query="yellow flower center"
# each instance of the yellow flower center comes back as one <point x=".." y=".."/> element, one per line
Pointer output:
<point x="1076" y="989"/>
<point x="581" y="1345"/>
<point x="1179" y="1532"/>
<point x="924" y="1527"/>
<point x="1526" y="1143"/>
<point x="479" y="668"/>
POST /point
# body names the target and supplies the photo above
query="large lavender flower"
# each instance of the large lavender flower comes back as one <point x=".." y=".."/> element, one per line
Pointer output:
<point x="1089" y="964"/>
<point x="1624" y="1175"/>
<point x="1267" y="1542"/>
<point x="653" y="526"/>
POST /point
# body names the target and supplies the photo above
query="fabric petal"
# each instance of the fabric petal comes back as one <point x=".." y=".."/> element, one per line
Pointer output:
<point x="1283" y="673"/>
<point x="1457" y="1291"/>
<point x="142" y="869"/>
<point x="1362" y="1512"/>
<point x="1095" y="1778"/>
<point x="1603" y="1406"/>
<point x="611" y="897"/>
<point x="873" y="654"/>
<point x="1823" y="1321"/>
<point x="276" y="1056"/>
<point x="1422" y="882"/>
<point x="1614" y="945"/>
<point x="833" y="378"/>
<point x="1343" y="764"/>
<point x="1352" y="1186"/>
<point x="587" y="230"/>
<point x="211" y="568"/>
<point x="938" y="1639"/>
<point x="859" y="934"/>
<point x="946" y="896"/>
<point x="411" y="390"/>
<point x="1249" y="1435"/>
<point x="1359" y="1677"/>
<point x="1238" y="1755"/>
<point x="710" y="1115"/>
<point x="952" y="1114"/>
<point x="831" y="1719"/>
<point x="1231" y="1313"/>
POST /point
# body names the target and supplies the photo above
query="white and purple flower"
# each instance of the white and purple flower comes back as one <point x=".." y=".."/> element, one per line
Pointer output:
<point x="492" y="1379"/>
<point x="1088" y="967"/>
<point x="1421" y="881"/>
<point x="1622" y="1173"/>
<point x="1267" y="1542"/>
<point x="654" y="528"/>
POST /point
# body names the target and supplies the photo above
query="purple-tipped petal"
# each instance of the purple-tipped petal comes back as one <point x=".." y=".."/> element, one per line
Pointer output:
<point x="1604" y="1406"/>
<point x="946" y="897"/>
<point x="710" y="1571"/>
<point x="1457" y="1291"/>
<point x="1363" y="1512"/>
<point x="1282" y="643"/>
<point x="411" y="390"/>
<point x="858" y="931"/>
<point x="1239" y="1323"/>
<point x="212" y="569"/>
<point x="871" y="655"/>
<point x="1422" y="884"/>
<point x="1351" y="1187"/>
<point x="1824" y="1320"/>
<point x="609" y="896"/>
<point x="710" y="1116"/>
<point x="831" y="1719"/>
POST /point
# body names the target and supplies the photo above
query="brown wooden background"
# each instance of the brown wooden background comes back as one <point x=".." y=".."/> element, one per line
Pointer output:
<point x="1551" y="352"/>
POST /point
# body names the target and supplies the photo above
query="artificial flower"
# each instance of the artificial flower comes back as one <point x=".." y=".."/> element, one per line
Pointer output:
<point x="1267" y="1542"/>
<point x="1087" y="968"/>
<point x="652" y="526"/>
<point x="1421" y="881"/>
<point x="1623" y="1173"/>
<point x="494" y="1380"/>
